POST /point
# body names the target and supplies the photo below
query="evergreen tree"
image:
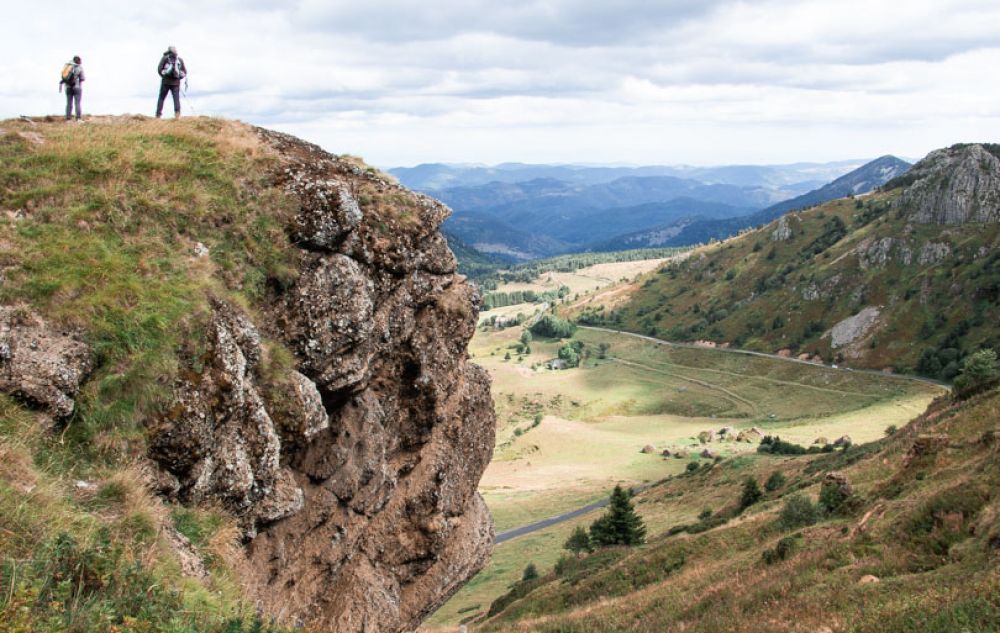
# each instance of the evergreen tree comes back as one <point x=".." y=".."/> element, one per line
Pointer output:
<point x="578" y="541"/>
<point x="751" y="493"/>
<point x="620" y="525"/>
<point x="530" y="573"/>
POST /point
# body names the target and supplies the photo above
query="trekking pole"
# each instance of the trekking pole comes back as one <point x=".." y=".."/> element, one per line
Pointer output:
<point x="187" y="99"/>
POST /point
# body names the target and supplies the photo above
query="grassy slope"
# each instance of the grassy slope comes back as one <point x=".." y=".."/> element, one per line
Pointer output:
<point x="597" y="419"/>
<point x="98" y="228"/>
<point x="733" y="291"/>
<point x="926" y="528"/>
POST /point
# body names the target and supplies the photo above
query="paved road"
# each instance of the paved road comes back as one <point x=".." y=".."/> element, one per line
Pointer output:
<point x="544" y="523"/>
<point x="541" y="525"/>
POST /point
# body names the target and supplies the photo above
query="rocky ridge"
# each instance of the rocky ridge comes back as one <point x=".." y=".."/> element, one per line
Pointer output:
<point x="955" y="185"/>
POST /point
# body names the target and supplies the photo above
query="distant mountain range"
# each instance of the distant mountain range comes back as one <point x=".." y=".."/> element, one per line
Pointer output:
<point x="863" y="180"/>
<point x="796" y="177"/>
<point x="521" y="211"/>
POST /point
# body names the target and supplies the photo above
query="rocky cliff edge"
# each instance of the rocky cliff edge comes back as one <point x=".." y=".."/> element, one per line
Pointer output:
<point x="352" y="467"/>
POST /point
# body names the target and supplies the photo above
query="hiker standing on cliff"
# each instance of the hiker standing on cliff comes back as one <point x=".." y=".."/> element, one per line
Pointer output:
<point x="172" y="71"/>
<point x="73" y="78"/>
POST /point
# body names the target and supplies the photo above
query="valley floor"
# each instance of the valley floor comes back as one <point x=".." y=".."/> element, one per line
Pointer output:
<point x="594" y="422"/>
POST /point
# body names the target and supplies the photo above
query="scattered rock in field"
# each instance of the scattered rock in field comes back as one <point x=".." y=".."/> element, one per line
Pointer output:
<point x="666" y="452"/>
<point x="32" y="137"/>
<point x="843" y="440"/>
<point x="926" y="445"/>
<point x="840" y="482"/>
<point x="648" y="449"/>
<point x="821" y="441"/>
<point x="680" y="454"/>
<point x="705" y="437"/>
<point x="199" y="250"/>
<point x="709" y="453"/>
<point x="40" y="365"/>
<point x="750" y="435"/>
<point x="868" y="579"/>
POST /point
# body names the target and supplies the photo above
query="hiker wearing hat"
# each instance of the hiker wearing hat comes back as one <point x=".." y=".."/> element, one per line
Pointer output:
<point x="171" y="70"/>
<point x="73" y="78"/>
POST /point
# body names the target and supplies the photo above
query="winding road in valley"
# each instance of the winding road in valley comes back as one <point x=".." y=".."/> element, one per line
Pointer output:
<point x="508" y="535"/>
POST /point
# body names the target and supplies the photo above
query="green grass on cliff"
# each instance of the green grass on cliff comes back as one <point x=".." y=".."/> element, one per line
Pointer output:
<point x="98" y="234"/>
<point x="98" y="231"/>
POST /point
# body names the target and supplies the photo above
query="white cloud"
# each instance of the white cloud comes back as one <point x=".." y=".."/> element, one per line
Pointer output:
<point x="401" y="82"/>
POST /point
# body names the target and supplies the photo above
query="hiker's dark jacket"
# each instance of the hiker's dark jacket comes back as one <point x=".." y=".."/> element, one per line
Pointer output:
<point x="166" y="60"/>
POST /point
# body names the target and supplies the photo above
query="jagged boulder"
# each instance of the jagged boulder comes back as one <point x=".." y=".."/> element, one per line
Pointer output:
<point x="840" y="482"/>
<point x="39" y="364"/>
<point x="218" y="439"/>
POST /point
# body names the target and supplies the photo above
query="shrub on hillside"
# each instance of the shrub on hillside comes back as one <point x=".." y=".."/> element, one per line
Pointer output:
<point x="550" y="326"/>
<point x="980" y="371"/>
<point x="775" y="481"/>
<point x="579" y="541"/>
<point x="777" y="446"/>
<point x="751" y="493"/>
<point x="798" y="511"/>
<point x="530" y="573"/>
<point x="947" y="518"/>
<point x="782" y="550"/>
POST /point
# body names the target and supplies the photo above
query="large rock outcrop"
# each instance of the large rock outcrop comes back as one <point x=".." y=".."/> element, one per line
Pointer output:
<point x="40" y="364"/>
<point x="957" y="185"/>
<point x="354" y="472"/>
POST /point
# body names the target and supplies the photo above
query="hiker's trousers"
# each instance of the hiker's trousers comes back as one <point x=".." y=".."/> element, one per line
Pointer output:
<point x="175" y="89"/>
<point x="73" y="97"/>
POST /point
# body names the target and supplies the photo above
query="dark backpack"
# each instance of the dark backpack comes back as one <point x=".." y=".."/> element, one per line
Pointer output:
<point x="173" y="69"/>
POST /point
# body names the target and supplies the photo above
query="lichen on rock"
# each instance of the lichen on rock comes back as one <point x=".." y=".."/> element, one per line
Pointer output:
<point x="353" y="471"/>
<point x="40" y="364"/>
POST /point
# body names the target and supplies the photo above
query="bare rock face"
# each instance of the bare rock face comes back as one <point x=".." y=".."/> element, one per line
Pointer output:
<point x="40" y="365"/>
<point x="854" y="327"/>
<point x="218" y="440"/>
<point x="354" y="473"/>
<point x="782" y="232"/>
<point x="957" y="185"/>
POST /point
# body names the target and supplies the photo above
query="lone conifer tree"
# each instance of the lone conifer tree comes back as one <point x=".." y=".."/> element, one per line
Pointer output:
<point x="620" y="525"/>
<point x="578" y="541"/>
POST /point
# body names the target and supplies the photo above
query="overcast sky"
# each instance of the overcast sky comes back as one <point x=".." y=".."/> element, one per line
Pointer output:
<point x="632" y="81"/>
